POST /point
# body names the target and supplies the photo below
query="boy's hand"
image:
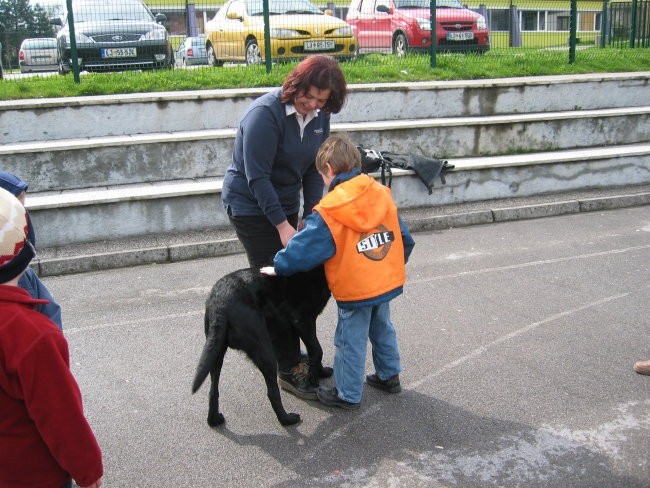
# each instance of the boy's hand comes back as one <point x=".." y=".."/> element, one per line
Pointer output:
<point x="268" y="271"/>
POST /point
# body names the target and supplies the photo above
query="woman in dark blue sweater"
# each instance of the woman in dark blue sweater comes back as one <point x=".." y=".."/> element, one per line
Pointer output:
<point x="273" y="161"/>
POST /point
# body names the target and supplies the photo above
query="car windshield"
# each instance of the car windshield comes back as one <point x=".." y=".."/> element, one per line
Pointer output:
<point x="426" y="3"/>
<point x="43" y="43"/>
<point x="95" y="12"/>
<point x="279" y="7"/>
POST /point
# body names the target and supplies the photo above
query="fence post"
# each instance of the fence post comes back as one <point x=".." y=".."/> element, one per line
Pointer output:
<point x="514" y="38"/>
<point x="635" y="5"/>
<point x="573" y="22"/>
<point x="434" y="32"/>
<point x="73" y="42"/>
<point x="603" y="24"/>
<point x="267" y="36"/>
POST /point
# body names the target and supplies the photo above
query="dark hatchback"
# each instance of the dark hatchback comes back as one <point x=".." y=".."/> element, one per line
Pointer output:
<point x="114" y="36"/>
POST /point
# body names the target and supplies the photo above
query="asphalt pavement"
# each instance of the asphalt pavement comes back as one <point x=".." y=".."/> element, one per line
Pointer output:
<point x="517" y="342"/>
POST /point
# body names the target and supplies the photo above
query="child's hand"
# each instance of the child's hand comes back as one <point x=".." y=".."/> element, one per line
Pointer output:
<point x="268" y="271"/>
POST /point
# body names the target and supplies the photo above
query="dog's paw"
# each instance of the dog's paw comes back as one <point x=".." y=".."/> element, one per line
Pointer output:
<point x="290" y="419"/>
<point x="325" y="372"/>
<point x="215" y="420"/>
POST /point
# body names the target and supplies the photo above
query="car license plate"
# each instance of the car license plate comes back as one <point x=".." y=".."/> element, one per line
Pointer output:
<point x="319" y="45"/>
<point x="121" y="52"/>
<point x="460" y="36"/>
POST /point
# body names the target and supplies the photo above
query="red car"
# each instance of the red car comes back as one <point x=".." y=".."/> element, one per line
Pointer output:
<point x="399" y="26"/>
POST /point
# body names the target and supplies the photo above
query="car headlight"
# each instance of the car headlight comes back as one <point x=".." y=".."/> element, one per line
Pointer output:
<point x="424" y="24"/>
<point x="284" y="33"/>
<point x="343" y="31"/>
<point x="480" y="23"/>
<point x="155" y="34"/>
<point x="80" y="38"/>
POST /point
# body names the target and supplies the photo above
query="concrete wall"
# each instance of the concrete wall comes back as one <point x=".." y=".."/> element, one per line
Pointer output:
<point x="103" y="168"/>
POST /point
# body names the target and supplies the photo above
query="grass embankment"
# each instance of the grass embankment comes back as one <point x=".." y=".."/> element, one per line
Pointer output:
<point x="498" y="63"/>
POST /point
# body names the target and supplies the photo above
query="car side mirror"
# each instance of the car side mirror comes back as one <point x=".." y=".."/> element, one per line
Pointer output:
<point x="56" y="21"/>
<point x="234" y="16"/>
<point x="161" y="18"/>
<point x="383" y="8"/>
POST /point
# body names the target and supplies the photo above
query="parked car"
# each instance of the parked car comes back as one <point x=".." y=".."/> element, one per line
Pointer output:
<point x="298" y="28"/>
<point x="192" y="52"/>
<point x="114" y="35"/>
<point x="38" y="54"/>
<point x="399" y="26"/>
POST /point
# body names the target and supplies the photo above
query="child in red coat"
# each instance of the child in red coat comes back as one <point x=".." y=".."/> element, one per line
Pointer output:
<point x="45" y="439"/>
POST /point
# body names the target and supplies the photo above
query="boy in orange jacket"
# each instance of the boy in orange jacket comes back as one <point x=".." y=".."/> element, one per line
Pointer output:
<point x="356" y="231"/>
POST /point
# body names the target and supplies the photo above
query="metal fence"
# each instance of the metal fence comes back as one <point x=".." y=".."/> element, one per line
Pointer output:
<point x="126" y="35"/>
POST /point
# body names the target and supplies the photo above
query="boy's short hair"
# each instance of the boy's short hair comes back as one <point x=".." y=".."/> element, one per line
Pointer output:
<point x="341" y="154"/>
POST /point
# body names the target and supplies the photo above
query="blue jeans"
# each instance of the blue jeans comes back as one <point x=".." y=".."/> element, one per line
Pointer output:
<point x="354" y="328"/>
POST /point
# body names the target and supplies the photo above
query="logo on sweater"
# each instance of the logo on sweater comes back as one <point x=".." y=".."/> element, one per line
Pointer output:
<point x="375" y="246"/>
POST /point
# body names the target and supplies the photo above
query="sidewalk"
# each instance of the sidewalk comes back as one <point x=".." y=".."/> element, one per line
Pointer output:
<point x="222" y="241"/>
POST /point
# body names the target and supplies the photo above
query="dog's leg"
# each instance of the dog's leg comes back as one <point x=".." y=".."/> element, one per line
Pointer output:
<point x="266" y="363"/>
<point x="215" y="418"/>
<point x="307" y="332"/>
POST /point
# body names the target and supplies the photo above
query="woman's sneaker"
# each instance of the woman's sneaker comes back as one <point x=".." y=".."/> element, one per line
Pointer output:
<point x="296" y="381"/>
<point x="391" y="385"/>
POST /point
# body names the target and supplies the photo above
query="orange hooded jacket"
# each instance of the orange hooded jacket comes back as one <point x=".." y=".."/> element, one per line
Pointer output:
<point x="369" y="259"/>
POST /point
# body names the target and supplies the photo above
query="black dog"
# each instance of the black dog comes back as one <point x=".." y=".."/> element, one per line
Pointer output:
<point x="245" y="311"/>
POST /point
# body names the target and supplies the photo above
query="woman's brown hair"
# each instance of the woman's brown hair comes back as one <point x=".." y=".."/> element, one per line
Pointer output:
<point x="321" y="71"/>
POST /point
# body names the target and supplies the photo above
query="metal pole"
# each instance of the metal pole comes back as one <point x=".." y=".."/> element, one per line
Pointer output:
<point x="635" y="6"/>
<point x="603" y="24"/>
<point x="73" y="42"/>
<point x="573" y="22"/>
<point x="267" y="35"/>
<point x="434" y="32"/>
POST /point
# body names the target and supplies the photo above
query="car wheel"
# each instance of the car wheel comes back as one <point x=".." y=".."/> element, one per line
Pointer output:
<point x="253" y="55"/>
<point x="212" y="57"/>
<point x="400" y="45"/>
<point x="64" y="69"/>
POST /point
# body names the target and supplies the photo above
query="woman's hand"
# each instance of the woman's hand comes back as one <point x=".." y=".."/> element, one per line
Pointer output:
<point x="286" y="232"/>
<point x="268" y="271"/>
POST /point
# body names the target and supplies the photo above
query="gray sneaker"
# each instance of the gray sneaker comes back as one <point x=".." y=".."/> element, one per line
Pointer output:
<point x="391" y="385"/>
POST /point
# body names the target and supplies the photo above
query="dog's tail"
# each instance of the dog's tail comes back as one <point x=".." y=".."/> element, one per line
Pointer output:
<point x="215" y="328"/>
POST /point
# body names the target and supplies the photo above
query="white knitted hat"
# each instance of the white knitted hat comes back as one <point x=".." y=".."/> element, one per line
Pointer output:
<point x="15" y="249"/>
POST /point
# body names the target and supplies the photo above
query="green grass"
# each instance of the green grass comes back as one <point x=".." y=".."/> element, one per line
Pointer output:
<point x="498" y="63"/>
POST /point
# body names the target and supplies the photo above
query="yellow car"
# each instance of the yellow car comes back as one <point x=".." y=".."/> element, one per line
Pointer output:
<point x="297" y="29"/>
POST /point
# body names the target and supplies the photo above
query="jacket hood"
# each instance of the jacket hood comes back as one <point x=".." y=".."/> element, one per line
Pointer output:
<point x="357" y="201"/>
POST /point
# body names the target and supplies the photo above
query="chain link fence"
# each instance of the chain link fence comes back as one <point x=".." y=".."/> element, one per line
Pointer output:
<point x="130" y="36"/>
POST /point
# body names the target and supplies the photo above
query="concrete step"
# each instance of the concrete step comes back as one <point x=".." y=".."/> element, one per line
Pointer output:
<point x="180" y="246"/>
<point x="194" y="205"/>
<point x="166" y="112"/>
<point x="156" y="157"/>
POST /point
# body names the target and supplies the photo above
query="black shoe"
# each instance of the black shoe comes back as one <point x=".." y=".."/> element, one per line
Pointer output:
<point x="391" y="385"/>
<point x="323" y="372"/>
<point x="330" y="397"/>
<point x="296" y="381"/>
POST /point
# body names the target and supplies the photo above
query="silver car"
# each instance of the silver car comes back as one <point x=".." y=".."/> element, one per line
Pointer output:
<point x="192" y="52"/>
<point x="38" y="54"/>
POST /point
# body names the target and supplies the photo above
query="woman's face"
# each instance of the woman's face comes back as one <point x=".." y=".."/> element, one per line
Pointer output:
<point x="312" y="99"/>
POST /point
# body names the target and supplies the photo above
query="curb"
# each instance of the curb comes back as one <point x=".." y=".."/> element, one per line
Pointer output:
<point x="417" y="222"/>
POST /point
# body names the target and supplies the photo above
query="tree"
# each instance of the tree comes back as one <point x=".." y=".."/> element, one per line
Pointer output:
<point x="19" y="21"/>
